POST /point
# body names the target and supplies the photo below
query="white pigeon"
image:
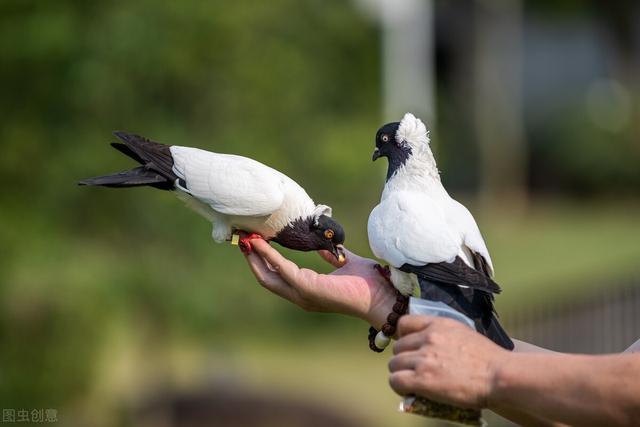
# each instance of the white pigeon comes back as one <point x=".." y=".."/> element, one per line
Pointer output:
<point x="431" y="242"/>
<point x="235" y="193"/>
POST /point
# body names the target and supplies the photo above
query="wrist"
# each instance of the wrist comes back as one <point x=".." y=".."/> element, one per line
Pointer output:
<point x="500" y="380"/>
<point x="382" y="300"/>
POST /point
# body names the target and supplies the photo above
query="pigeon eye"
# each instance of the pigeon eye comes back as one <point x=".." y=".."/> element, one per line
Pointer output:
<point x="385" y="138"/>
<point x="328" y="234"/>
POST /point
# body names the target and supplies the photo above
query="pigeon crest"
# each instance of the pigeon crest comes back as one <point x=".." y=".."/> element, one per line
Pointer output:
<point x="319" y="211"/>
<point x="414" y="133"/>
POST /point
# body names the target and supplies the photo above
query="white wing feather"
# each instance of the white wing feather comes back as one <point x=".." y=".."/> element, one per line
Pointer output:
<point x="231" y="185"/>
<point x="461" y="219"/>
<point x="409" y="227"/>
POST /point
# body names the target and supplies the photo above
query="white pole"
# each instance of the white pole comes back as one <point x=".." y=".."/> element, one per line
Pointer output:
<point x="407" y="55"/>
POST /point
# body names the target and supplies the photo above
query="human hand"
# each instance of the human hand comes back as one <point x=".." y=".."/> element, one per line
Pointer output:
<point x="355" y="288"/>
<point x="444" y="360"/>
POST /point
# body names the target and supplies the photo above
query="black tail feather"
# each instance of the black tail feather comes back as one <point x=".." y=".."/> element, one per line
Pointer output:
<point x="154" y="155"/>
<point x="127" y="152"/>
<point x="132" y="178"/>
<point x="476" y="304"/>
<point x="156" y="160"/>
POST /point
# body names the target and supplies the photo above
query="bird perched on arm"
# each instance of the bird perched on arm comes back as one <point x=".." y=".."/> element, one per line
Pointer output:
<point x="431" y="241"/>
<point x="235" y="193"/>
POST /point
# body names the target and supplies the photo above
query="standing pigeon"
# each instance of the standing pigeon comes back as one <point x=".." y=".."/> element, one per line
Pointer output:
<point x="235" y="193"/>
<point x="431" y="241"/>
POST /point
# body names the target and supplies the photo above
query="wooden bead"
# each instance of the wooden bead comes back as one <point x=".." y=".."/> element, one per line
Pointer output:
<point x="379" y="340"/>
<point x="372" y="333"/>
<point x="372" y="346"/>
<point x="392" y="318"/>
<point x="400" y="307"/>
<point x="388" y="329"/>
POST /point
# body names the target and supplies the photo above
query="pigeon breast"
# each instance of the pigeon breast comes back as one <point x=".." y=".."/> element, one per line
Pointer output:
<point x="410" y="228"/>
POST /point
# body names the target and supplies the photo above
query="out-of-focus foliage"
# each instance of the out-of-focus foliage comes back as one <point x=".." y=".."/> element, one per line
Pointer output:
<point x="293" y="84"/>
<point x="587" y="159"/>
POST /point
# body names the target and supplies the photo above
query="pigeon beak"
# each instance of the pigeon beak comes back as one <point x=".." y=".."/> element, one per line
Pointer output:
<point x="338" y="252"/>
<point x="376" y="154"/>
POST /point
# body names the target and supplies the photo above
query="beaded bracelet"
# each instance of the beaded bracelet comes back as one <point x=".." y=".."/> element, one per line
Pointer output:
<point x="379" y="340"/>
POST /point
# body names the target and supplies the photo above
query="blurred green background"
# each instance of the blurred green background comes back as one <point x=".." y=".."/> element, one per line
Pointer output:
<point x="115" y="299"/>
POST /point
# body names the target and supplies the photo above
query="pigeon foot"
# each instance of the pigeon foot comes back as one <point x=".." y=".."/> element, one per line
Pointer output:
<point x="245" y="241"/>
<point x="383" y="271"/>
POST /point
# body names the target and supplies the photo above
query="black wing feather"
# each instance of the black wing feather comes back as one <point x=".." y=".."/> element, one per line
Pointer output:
<point x="481" y="264"/>
<point x="454" y="273"/>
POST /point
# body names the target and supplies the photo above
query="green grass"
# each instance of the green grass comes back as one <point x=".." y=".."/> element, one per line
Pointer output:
<point x="558" y="251"/>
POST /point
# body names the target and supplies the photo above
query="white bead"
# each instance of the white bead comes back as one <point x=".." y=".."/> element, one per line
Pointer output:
<point x="381" y="340"/>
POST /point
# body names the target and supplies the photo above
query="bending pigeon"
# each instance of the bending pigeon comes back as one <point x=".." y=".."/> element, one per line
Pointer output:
<point x="235" y="193"/>
<point x="431" y="241"/>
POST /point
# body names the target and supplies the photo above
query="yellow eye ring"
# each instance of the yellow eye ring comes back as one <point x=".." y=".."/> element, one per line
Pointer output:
<point x="385" y="138"/>
<point x="328" y="234"/>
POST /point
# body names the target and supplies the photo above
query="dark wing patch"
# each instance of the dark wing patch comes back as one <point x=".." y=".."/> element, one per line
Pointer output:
<point x="480" y="264"/>
<point x="454" y="273"/>
<point x="476" y="305"/>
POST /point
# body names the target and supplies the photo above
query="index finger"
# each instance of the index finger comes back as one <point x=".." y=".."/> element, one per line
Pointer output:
<point x="288" y="270"/>
<point x="409" y="342"/>
<point x="413" y="323"/>
<point x="267" y="278"/>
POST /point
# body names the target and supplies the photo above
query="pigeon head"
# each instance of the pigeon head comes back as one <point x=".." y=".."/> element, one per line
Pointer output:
<point x="401" y="141"/>
<point x="313" y="233"/>
<point x="329" y="235"/>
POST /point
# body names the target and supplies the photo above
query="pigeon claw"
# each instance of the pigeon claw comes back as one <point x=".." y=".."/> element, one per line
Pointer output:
<point x="383" y="271"/>
<point x="245" y="242"/>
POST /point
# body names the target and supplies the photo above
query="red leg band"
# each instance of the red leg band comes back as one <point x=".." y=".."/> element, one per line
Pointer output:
<point x="245" y="242"/>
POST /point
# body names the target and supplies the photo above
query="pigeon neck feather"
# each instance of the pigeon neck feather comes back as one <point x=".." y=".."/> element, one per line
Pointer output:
<point x="296" y="204"/>
<point x="418" y="170"/>
<point x="418" y="173"/>
<point x="296" y="235"/>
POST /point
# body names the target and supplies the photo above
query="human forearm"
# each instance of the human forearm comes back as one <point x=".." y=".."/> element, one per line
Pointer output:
<point x="574" y="389"/>
<point x="516" y="414"/>
<point x="525" y="347"/>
